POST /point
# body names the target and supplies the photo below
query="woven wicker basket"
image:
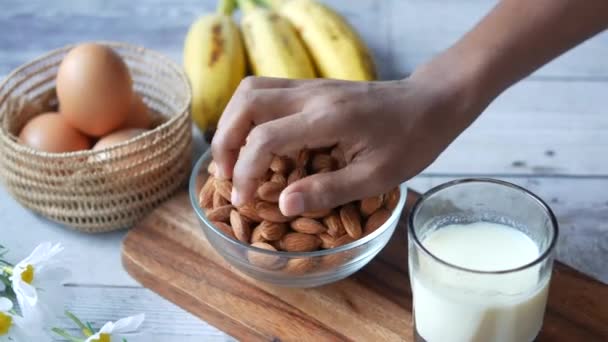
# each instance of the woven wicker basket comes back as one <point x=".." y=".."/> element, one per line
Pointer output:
<point x="98" y="191"/>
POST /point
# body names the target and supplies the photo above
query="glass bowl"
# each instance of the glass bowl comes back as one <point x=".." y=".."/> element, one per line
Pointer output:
<point x="291" y="269"/>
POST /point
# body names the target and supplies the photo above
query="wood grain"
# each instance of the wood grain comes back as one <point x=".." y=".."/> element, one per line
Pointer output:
<point x="165" y="322"/>
<point x="551" y="124"/>
<point x="168" y="253"/>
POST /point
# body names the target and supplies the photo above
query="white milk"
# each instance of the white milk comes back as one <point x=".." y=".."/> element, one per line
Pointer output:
<point x="451" y="305"/>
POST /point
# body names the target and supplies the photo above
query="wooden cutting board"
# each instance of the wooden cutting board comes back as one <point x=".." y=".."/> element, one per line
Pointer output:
<point x="169" y="254"/>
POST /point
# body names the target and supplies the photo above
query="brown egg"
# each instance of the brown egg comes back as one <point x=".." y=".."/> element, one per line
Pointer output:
<point x="94" y="89"/>
<point x="50" y="132"/>
<point x="138" y="116"/>
<point x="117" y="138"/>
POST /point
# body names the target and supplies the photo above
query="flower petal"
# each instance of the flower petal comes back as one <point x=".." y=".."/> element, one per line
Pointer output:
<point x="5" y="304"/>
<point x="107" y="328"/>
<point x="128" y="324"/>
<point x="52" y="275"/>
<point x="22" y="331"/>
<point x="41" y="254"/>
<point x="26" y="294"/>
<point x="93" y="337"/>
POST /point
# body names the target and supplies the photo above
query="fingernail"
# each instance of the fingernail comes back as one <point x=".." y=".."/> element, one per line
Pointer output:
<point x="292" y="204"/>
<point x="235" y="198"/>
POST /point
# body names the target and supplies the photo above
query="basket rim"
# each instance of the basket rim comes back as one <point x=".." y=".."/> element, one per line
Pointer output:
<point x="183" y="111"/>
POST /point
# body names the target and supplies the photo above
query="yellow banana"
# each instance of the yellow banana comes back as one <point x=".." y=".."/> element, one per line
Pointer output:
<point x="334" y="45"/>
<point x="273" y="46"/>
<point x="214" y="60"/>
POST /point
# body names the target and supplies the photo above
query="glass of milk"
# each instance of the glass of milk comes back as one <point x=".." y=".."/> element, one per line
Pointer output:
<point x="480" y="260"/>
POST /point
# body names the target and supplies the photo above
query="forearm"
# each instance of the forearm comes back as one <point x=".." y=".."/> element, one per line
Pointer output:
<point x="514" y="39"/>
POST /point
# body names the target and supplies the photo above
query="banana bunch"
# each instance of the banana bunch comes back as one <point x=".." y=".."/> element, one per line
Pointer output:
<point x="286" y="38"/>
<point x="336" y="48"/>
<point x="214" y="60"/>
<point x="273" y="46"/>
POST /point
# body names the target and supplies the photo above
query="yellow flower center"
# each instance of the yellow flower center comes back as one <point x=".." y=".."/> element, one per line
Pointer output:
<point x="103" y="337"/>
<point x="28" y="274"/>
<point x="5" y="323"/>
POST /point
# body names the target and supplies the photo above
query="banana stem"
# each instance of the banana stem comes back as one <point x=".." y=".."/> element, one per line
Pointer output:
<point x="226" y="7"/>
<point x="246" y="5"/>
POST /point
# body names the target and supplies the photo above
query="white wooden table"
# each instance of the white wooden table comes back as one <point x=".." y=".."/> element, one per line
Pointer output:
<point x="549" y="133"/>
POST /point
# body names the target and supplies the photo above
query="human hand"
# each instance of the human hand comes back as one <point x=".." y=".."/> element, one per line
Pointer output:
<point x="387" y="131"/>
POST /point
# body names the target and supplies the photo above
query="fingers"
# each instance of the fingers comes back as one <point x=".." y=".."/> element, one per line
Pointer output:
<point x="257" y="100"/>
<point x="329" y="190"/>
<point x="278" y="137"/>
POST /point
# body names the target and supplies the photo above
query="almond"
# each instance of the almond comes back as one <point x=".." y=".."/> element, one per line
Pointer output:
<point x="205" y="197"/>
<point x="307" y="226"/>
<point x="335" y="228"/>
<point x="221" y="214"/>
<point x="249" y="212"/>
<point x="212" y="168"/>
<point x="241" y="228"/>
<point x="322" y="161"/>
<point x="392" y="198"/>
<point x="276" y="244"/>
<point x="256" y="235"/>
<point x="327" y="241"/>
<point x="376" y="220"/>
<point x="369" y="205"/>
<point x="270" y="212"/>
<point x="218" y="200"/>
<point x="338" y="156"/>
<point x="300" y="242"/>
<point x="302" y="158"/>
<point x="224" y="187"/>
<point x="300" y="265"/>
<point x="272" y="231"/>
<point x="224" y="227"/>
<point x="351" y="220"/>
<point x="280" y="164"/>
<point x="317" y="214"/>
<point x="270" y="191"/>
<point x="333" y="261"/>
<point x="264" y="260"/>
<point x="296" y="175"/>
<point x="266" y="177"/>
<point x="279" y="178"/>
<point x="343" y="240"/>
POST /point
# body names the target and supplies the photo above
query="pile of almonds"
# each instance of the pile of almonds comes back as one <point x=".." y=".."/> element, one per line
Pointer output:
<point x="262" y="224"/>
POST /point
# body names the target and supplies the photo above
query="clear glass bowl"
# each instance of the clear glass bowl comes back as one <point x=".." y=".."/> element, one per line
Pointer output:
<point x="290" y="269"/>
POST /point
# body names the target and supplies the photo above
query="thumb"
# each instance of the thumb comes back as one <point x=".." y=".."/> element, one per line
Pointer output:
<point x="328" y="190"/>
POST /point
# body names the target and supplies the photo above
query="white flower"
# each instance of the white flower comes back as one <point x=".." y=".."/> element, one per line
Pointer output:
<point x="111" y="329"/>
<point x="38" y="283"/>
<point x="12" y="327"/>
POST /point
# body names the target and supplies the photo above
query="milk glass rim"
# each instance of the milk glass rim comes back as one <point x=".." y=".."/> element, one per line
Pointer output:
<point x="543" y="205"/>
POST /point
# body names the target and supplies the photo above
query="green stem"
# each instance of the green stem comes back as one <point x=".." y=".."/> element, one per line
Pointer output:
<point x="4" y="264"/>
<point x="274" y="4"/>
<point x="85" y="330"/>
<point x="5" y="280"/>
<point x="65" y="335"/>
<point x="226" y="7"/>
<point x="246" y="5"/>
